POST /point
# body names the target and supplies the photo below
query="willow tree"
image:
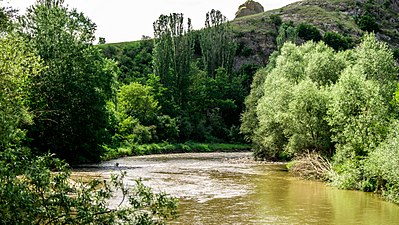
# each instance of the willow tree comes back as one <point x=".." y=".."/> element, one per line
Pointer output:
<point x="173" y="54"/>
<point x="69" y="97"/>
<point x="217" y="43"/>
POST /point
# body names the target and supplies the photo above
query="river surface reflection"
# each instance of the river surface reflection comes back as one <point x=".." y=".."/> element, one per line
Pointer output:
<point x="230" y="188"/>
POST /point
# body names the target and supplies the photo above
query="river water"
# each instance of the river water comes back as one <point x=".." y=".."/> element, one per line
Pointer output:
<point x="230" y="188"/>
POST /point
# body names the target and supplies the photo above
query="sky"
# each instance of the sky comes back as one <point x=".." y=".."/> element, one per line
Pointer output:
<point x="129" y="20"/>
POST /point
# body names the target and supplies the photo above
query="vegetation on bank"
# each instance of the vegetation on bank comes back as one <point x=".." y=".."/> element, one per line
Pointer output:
<point x="335" y="111"/>
<point x="63" y="99"/>
<point x="54" y="90"/>
<point x="165" y="148"/>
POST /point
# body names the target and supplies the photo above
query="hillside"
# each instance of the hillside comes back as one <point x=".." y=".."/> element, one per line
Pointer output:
<point x="258" y="32"/>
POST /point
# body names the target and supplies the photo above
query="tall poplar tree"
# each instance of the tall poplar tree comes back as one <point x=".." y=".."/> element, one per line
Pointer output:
<point x="217" y="43"/>
<point x="173" y="54"/>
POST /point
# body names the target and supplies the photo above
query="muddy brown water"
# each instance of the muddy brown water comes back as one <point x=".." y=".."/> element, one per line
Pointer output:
<point x="230" y="188"/>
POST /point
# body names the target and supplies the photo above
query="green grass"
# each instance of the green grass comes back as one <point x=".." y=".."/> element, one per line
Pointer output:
<point x="122" y="44"/>
<point x="166" y="148"/>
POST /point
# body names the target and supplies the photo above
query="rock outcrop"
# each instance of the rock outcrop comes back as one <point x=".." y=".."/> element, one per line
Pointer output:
<point x="249" y="8"/>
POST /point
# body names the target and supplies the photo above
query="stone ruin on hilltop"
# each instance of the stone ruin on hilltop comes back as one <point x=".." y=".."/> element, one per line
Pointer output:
<point x="249" y="8"/>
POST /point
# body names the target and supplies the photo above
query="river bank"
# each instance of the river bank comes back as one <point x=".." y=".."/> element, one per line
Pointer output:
<point x="169" y="148"/>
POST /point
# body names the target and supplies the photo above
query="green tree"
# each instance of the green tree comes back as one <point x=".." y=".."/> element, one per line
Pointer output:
<point x="101" y="40"/>
<point x="357" y="114"/>
<point x="376" y="61"/>
<point x="173" y="54"/>
<point x="360" y="112"/>
<point x="276" y="20"/>
<point x="134" y="60"/>
<point x="308" y="32"/>
<point x="39" y="189"/>
<point x="337" y="41"/>
<point x="305" y="124"/>
<point x="286" y="33"/>
<point x="137" y="113"/>
<point x="69" y="97"/>
<point x="249" y="120"/>
<point x="217" y="43"/>
<point x="286" y="111"/>
<point x="368" y="23"/>
<point x="7" y="14"/>
<point x="135" y="100"/>
<point x="324" y="65"/>
<point x="33" y="193"/>
<point x="17" y="67"/>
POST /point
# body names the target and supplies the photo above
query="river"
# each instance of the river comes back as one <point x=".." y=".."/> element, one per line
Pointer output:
<point x="230" y="188"/>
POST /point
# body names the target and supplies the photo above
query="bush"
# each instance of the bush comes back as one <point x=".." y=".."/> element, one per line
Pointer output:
<point x="396" y="53"/>
<point x="39" y="190"/>
<point x="286" y="33"/>
<point x="308" y="32"/>
<point x="276" y="20"/>
<point x="383" y="165"/>
<point x="347" y="172"/>
<point x="337" y="41"/>
<point x="368" y="23"/>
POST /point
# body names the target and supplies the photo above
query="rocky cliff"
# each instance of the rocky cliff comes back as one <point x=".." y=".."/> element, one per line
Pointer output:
<point x="249" y="8"/>
<point x="256" y="34"/>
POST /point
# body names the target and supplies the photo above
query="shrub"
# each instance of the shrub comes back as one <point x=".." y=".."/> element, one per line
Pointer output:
<point x="396" y="53"/>
<point x="39" y="190"/>
<point x="286" y="33"/>
<point x="308" y="32"/>
<point x="383" y="165"/>
<point x="368" y="23"/>
<point x="337" y="41"/>
<point x="276" y="20"/>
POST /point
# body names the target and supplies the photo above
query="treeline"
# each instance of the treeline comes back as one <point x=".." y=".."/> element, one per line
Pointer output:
<point x="180" y="86"/>
<point x="83" y="106"/>
<point x="341" y="106"/>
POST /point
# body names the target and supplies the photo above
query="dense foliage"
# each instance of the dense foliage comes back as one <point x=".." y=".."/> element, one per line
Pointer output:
<point x="339" y="105"/>
<point x="61" y="94"/>
<point x="69" y="97"/>
<point x="337" y="41"/>
<point x="134" y="59"/>
<point x="308" y="32"/>
<point x="41" y="77"/>
<point x="199" y="96"/>
<point x="33" y="193"/>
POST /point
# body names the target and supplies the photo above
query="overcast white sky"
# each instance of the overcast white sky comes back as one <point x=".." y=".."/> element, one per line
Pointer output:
<point x="128" y="20"/>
